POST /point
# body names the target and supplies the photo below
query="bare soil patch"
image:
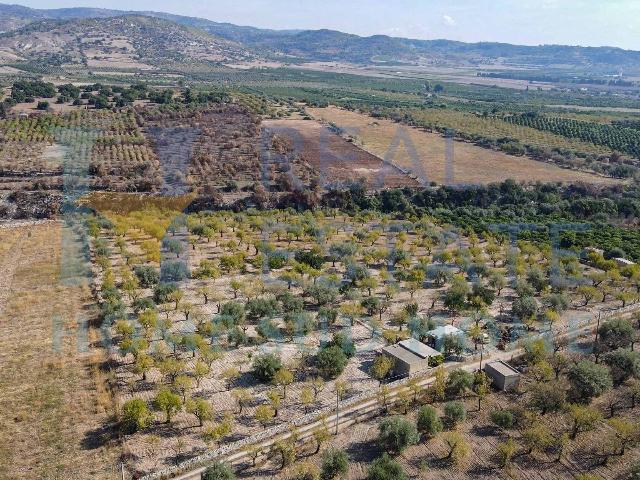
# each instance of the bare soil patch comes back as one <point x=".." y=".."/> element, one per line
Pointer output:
<point x="336" y="159"/>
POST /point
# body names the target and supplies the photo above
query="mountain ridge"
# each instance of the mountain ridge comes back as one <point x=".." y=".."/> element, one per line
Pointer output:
<point x="327" y="45"/>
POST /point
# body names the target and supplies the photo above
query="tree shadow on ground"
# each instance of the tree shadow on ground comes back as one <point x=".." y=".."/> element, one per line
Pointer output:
<point x="100" y="437"/>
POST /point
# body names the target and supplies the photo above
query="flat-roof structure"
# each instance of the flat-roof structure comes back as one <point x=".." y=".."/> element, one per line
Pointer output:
<point x="503" y="375"/>
<point x="419" y="348"/>
<point x="435" y="337"/>
<point x="405" y="362"/>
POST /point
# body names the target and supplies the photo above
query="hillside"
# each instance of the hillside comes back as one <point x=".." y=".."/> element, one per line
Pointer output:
<point x="329" y="45"/>
<point x="131" y="41"/>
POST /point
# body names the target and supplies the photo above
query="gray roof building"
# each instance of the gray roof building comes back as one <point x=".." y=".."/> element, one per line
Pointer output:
<point x="503" y="375"/>
<point x="409" y="357"/>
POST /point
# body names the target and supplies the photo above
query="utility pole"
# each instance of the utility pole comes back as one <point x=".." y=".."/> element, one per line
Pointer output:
<point x="337" y="410"/>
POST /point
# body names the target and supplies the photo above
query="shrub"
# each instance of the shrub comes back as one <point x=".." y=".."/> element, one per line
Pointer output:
<point x="502" y="418"/>
<point x="548" y="397"/>
<point x="623" y="364"/>
<point x="396" y="434"/>
<point x="614" y="334"/>
<point x="459" y="382"/>
<point x="346" y="344"/>
<point x="147" y="275"/>
<point x="162" y="292"/>
<point x="174" y="271"/>
<point x="309" y="258"/>
<point x="262" y="307"/>
<point x="386" y="468"/>
<point x="524" y="307"/>
<point x="331" y="361"/>
<point x="454" y="413"/>
<point x="428" y="421"/>
<point x="144" y="303"/>
<point x="218" y="471"/>
<point x="588" y="380"/>
<point x="135" y="415"/>
<point x="334" y="462"/>
<point x="234" y="311"/>
<point x="265" y="366"/>
<point x="306" y="471"/>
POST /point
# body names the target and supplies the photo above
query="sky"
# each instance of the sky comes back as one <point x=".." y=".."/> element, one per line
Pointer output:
<point x="526" y="22"/>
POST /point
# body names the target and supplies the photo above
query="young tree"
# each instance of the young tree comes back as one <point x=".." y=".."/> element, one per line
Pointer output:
<point x="306" y="398"/>
<point x="200" y="371"/>
<point x="321" y="435"/>
<point x="167" y="402"/>
<point x="537" y="438"/>
<point x="283" y="378"/>
<point x="135" y="415"/>
<point x="440" y="383"/>
<point x="481" y="386"/>
<point x="306" y="471"/>
<point x="264" y="415"/>
<point x="182" y="384"/>
<point x="457" y="445"/>
<point x="624" y="434"/>
<point x="506" y="452"/>
<point x="199" y="408"/>
<point x="287" y="451"/>
<point x="381" y="368"/>
<point x="143" y="364"/>
<point x="583" y="418"/>
<point x="242" y="396"/>
<point x="275" y="400"/>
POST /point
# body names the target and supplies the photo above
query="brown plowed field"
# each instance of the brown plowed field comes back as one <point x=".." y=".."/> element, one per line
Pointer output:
<point x="337" y="160"/>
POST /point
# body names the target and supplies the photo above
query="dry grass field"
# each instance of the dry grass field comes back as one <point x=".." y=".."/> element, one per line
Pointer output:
<point x="54" y="402"/>
<point x="471" y="165"/>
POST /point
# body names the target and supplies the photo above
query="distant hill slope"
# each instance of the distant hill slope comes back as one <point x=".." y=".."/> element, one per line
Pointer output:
<point x="329" y="45"/>
<point x="130" y="41"/>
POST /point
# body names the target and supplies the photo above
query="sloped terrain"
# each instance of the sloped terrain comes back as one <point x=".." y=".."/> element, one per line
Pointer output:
<point x="125" y="42"/>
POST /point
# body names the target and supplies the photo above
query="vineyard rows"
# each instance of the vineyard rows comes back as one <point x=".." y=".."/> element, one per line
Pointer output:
<point x="622" y="139"/>
<point x="497" y="128"/>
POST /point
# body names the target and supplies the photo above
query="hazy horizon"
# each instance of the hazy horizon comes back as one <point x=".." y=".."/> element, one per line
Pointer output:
<point x="613" y="23"/>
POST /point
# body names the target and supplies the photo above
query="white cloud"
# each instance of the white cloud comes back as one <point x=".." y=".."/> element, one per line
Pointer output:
<point x="448" y="20"/>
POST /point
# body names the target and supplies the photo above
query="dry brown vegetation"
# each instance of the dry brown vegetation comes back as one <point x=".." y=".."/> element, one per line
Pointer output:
<point x="471" y="164"/>
<point x="336" y="160"/>
<point x="54" y="406"/>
